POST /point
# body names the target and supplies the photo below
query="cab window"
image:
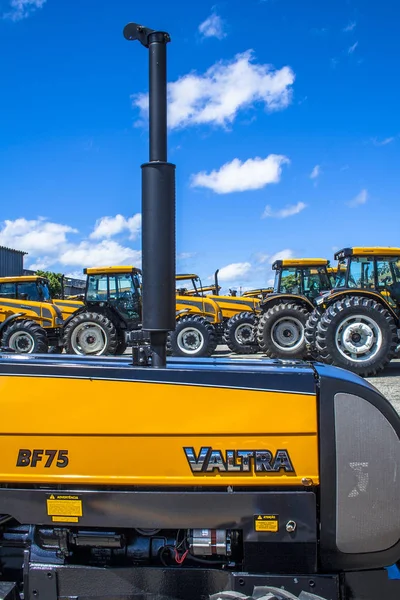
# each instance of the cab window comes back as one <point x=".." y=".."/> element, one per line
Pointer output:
<point x="290" y="282"/>
<point x="28" y="291"/>
<point x="97" y="288"/>
<point x="361" y="273"/>
<point x="8" y="290"/>
<point x="315" y="280"/>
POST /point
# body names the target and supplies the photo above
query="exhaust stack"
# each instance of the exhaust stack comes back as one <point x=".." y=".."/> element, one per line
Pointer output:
<point x="158" y="202"/>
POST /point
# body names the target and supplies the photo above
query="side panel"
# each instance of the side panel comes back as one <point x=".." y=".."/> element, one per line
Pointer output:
<point x="121" y="432"/>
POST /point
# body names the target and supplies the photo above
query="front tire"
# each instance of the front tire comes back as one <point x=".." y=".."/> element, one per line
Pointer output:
<point x="193" y="337"/>
<point x="358" y="334"/>
<point x="239" y="334"/>
<point x="25" y="337"/>
<point x="310" y="333"/>
<point x="91" y="334"/>
<point x="280" y="331"/>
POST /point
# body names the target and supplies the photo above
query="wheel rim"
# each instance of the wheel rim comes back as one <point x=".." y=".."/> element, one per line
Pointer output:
<point x="358" y="338"/>
<point x="287" y="333"/>
<point x="89" y="338"/>
<point x="244" y="334"/>
<point x="22" y="342"/>
<point x="190" y="340"/>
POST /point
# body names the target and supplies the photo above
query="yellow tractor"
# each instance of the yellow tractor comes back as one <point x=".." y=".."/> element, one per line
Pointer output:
<point x="238" y="312"/>
<point x="259" y="293"/>
<point x="356" y="324"/>
<point x="112" y="312"/>
<point x="146" y="479"/>
<point x="280" y="326"/>
<point x="30" y="322"/>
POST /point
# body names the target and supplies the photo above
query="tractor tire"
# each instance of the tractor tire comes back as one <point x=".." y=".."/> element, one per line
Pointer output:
<point x="194" y="337"/>
<point x="91" y="334"/>
<point x="310" y="333"/>
<point x="239" y="333"/>
<point x="357" y="334"/>
<point x="280" y="331"/>
<point x="25" y="337"/>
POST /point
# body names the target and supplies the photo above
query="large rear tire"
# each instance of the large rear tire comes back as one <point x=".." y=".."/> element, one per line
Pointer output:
<point x="358" y="334"/>
<point x="310" y="333"/>
<point x="91" y="334"/>
<point x="194" y="337"/>
<point x="239" y="333"/>
<point x="25" y="337"/>
<point x="280" y="331"/>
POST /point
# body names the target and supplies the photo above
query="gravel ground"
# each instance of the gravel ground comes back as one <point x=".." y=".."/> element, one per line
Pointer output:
<point x="388" y="382"/>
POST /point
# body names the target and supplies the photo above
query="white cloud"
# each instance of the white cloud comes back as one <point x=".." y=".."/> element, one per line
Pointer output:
<point x="106" y="252"/>
<point x="213" y="26"/>
<point x="360" y="199"/>
<point x="383" y="142"/>
<point x="223" y="90"/>
<point x="234" y="271"/>
<point x="261" y="258"/>
<point x="352" y="48"/>
<point x="350" y="26"/>
<point x="20" y="9"/>
<point x="107" y="227"/>
<point x="238" y="176"/>
<point x="35" y="236"/>
<point x="287" y="211"/>
<point x="281" y="255"/>
<point x="316" y="172"/>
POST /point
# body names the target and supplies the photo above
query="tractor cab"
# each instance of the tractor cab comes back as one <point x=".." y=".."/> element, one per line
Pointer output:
<point x="372" y="268"/>
<point x="118" y="288"/>
<point x="301" y="277"/>
<point x="196" y="289"/>
<point x="30" y="288"/>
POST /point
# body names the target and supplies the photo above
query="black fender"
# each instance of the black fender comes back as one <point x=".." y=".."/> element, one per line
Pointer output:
<point x="274" y="299"/>
<point x="9" y="320"/>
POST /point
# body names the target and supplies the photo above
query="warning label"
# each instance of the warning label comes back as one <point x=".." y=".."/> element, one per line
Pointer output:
<point x="64" y="508"/>
<point x="266" y="523"/>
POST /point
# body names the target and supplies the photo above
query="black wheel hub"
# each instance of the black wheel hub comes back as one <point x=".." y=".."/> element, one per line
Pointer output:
<point x="287" y="333"/>
<point x="356" y="338"/>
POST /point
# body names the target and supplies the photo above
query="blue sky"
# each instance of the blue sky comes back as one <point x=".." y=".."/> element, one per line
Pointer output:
<point x="284" y="126"/>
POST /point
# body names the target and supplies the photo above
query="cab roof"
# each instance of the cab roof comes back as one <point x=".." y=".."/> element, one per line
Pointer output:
<point x="300" y="262"/>
<point x="21" y="279"/>
<point x="110" y="270"/>
<point x="367" y="251"/>
<point x="183" y="276"/>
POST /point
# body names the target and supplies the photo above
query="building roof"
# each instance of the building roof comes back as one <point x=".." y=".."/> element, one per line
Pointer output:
<point x="13" y="250"/>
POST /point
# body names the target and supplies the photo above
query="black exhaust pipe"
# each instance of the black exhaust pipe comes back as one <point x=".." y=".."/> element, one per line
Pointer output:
<point x="216" y="282"/>
<point x="158" y="202"/>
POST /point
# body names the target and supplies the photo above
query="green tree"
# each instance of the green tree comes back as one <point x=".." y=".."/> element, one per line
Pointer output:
<point x="55" y="282"/>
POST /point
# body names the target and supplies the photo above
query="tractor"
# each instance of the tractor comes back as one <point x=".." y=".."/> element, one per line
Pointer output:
<point x="356" y="324"/>
<point x="280" y="326"/>
<point x="238" y="312"/>
<point x="30" y="321"/>
<point x="112" y="311"/>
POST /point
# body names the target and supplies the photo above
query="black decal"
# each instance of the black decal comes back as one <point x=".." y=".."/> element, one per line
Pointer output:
<point x="37" y="456"/>
<point x="282" y="461"/>
<point x="62" y="460"/>
<point x="51" y="455"/>
<point x="263" y="460"/>
<point x="24" y="458"/>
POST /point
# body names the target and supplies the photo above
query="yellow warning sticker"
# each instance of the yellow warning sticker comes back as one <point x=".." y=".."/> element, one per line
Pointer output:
<point x="65" y="519"/>
<point x="64" y="506"/>
<point x="266" y="523"/>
